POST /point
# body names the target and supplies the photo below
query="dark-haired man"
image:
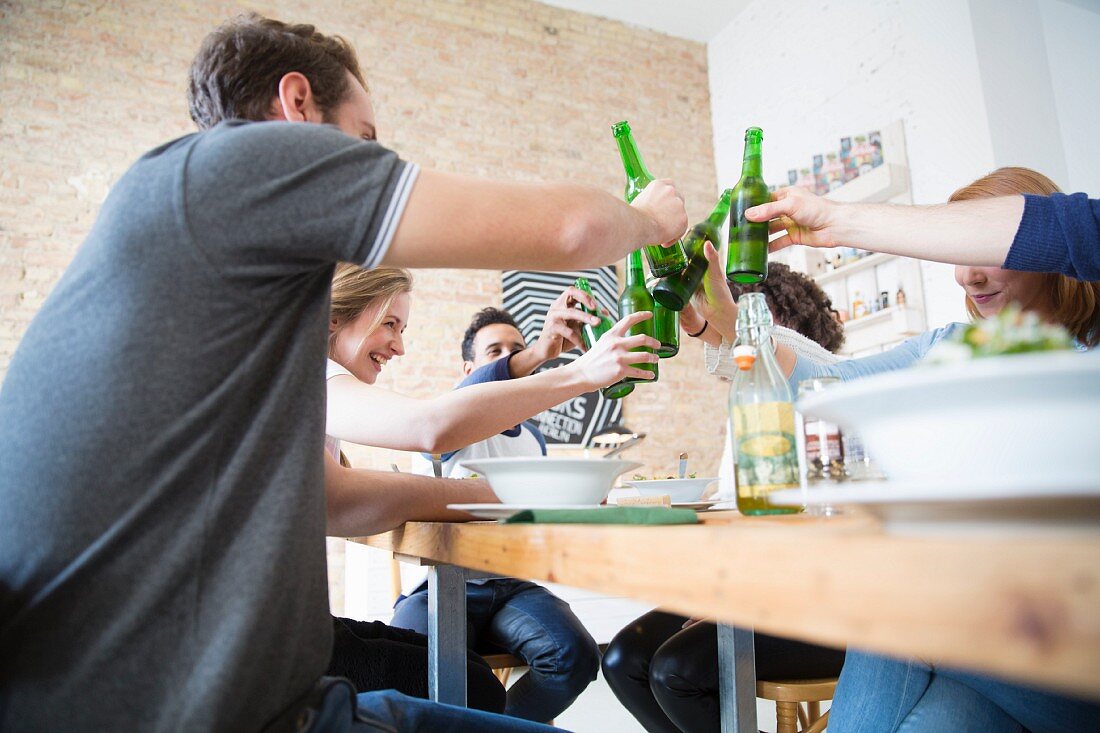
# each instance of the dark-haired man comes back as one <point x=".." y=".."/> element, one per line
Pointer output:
<point x="165" y="568"/>
<point x="505" y="614"/>
<point x="494" y="350"/>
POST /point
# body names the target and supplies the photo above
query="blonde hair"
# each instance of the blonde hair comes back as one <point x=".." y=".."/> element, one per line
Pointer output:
<point x="356" y="290"/>
<point x="1073" y="303"/>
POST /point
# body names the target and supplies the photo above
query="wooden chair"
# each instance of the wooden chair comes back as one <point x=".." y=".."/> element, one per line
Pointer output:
<point x="502" y="665"/>
<point x="798" y="703"/>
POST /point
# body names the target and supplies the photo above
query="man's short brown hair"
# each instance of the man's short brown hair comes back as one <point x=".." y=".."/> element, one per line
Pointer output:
<point x="237" y="71"/>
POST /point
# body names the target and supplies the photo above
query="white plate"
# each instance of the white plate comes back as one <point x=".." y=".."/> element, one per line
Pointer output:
<point x="503" y="511"/>
<point x="678" y="489"/>
<point x="1027" y="418"/>
<point x="699" y="505"/>
<point x="965" y="504"/>
<point x="702" y="504"/>
<point x="542" y="480"/>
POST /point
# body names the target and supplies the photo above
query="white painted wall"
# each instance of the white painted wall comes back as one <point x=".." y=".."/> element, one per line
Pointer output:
<point x="1071" y="30"/>
<point x="810" y="73"/>
<point x="979" y="84"/>
<point x="1016" y="83"/>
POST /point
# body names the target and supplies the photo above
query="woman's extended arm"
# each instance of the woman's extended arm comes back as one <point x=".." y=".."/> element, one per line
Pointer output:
<point x="462" y="417"/>
<point x="977" y="232"/>
<point x="798" y="357"/>
<point x="713" y="304"/>
<point x="360" y="502"/>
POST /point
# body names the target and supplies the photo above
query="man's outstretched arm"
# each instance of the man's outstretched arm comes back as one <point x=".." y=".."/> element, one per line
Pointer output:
<point x="461" y="221"/>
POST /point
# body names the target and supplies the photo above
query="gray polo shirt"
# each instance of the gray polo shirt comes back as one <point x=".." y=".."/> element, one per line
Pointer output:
<point x="162" y="513"/>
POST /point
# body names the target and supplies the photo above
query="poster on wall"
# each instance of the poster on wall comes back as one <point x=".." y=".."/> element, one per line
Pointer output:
<point x="857" y="154"/>
<point x="527" y="296"/>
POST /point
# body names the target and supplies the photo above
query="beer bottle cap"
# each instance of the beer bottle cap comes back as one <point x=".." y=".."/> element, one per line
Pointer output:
<point x="744" y="356"/>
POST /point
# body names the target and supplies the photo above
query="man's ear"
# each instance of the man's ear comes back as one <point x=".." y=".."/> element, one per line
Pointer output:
<point x="295" y="101"/>
<point x="467" y="367"/>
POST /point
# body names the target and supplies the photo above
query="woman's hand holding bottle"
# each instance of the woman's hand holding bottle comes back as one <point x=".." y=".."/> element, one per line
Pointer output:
<point x="712" y="309"/>
<point x="612" y="357"/>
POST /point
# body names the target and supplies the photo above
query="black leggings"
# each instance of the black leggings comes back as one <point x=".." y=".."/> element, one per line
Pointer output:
<point x="375" y="656"/>
<point x="667" y="676"/>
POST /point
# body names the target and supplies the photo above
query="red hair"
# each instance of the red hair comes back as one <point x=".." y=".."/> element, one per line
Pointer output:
<point x="1073" y="303"/>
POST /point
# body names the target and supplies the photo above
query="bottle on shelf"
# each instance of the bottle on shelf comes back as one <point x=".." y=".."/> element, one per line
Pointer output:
<point x="899" y="298"/>
<point x="662" y="260"/>
<point x="747" y="259"/>
<point x="761" y="414"/>
<point x="859" y="308"/>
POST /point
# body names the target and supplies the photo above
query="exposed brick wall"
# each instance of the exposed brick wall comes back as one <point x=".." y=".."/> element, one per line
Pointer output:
<point x="510" y="88"/>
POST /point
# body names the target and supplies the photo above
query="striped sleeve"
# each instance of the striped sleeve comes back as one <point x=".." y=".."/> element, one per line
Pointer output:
<point x="405" y="178"/>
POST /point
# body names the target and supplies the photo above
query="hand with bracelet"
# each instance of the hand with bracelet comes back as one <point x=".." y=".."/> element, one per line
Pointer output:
<point x="712" y="313"/>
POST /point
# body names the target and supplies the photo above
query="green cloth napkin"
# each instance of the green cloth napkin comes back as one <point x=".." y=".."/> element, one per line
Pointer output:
<point x="605" y="515"/>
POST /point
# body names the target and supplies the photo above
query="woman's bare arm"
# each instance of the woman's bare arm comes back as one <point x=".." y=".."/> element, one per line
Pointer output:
<point x="361" y="502"/>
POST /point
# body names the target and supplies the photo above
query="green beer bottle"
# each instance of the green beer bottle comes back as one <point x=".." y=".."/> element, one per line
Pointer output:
<point x="675" y="291"/>
<point x="662" y="260"/>
<point x="636" y="298"/>
<point x="618" y="390"/>
<point x="748" y="251"/>
<point x="591" y="334"/>
<point x="666" y="326"/>
<point x="761" y="414"/>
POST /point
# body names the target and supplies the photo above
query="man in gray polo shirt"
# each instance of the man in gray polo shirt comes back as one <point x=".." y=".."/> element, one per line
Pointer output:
<point x="161" y="424"/>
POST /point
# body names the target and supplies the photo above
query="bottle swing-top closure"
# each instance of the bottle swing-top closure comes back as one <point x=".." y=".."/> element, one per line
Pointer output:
<point x="744" y="356"/>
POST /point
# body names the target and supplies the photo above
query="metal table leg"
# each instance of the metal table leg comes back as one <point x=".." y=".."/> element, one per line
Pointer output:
<point x="447" y="634"/>
<point x="737" y="679"/>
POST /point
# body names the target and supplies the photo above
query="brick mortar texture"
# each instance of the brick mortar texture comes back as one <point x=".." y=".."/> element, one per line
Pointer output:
<point x="511" y="89"/>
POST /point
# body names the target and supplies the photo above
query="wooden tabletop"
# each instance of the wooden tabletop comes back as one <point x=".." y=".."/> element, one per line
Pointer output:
<point x="1023" y="606"/>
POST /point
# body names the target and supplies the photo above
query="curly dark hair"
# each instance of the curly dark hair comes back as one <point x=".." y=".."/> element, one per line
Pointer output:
<point x="484" y="317"/>
<point x="798" y="303"/>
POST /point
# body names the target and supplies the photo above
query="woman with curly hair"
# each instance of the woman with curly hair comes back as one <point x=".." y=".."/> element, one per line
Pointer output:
<point x="663" y="667"/>
<point x="797" y="303"/>
<point x="879" y="693"/>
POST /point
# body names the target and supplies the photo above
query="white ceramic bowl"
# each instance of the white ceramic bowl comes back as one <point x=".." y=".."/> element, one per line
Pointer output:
<point x="679" y="490"/>
<point x="543" y="481"/>
<point x="1028" y="419"/>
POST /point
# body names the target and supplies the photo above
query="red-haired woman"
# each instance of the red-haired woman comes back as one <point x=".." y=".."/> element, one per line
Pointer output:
<point x="882" y="694"/>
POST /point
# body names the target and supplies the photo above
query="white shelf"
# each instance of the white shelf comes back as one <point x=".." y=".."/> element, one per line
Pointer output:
<point x="903" y="316"/>
<point x="878" y="184"/>
<point x="884" y="326"/>
<point x="887" y="182"/>
<point x="862" y="263"/>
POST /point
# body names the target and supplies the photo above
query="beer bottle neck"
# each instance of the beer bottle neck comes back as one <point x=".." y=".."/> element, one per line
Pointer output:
<point x="750" y="163"/>
<point x="581" y="283"/>
<point x="754" y="320"/>
<point x="632" y="159"/>
<point x="721" y="209"/>
<point x="634" y="274"/>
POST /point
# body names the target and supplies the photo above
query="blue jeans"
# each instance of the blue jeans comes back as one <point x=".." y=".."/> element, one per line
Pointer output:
<point x="526" y="621"/>
<point x="342" y="711"/>
<point x="882" y="694"/>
